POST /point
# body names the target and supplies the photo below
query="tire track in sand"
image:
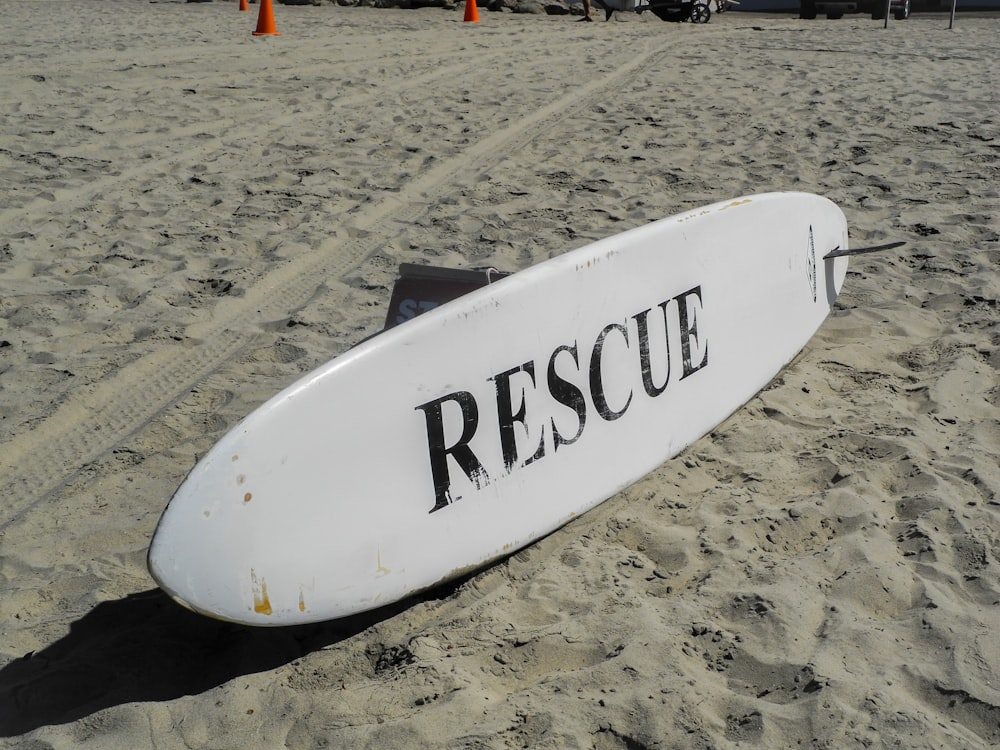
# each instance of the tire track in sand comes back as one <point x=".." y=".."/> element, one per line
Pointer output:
<point x="103" y="177"/>
<point x="90" y="423"/>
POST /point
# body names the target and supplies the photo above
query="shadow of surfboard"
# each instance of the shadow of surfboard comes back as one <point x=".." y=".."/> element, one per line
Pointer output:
<point x="146" y="648"/>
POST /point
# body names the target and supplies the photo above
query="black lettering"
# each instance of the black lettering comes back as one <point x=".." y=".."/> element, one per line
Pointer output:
<point x="460" y="450"/>
<point x="642" y="327"/>
<point x="597" y="380"/>
<point x="507" y="417"/>
<point x="514" y="396"/>
<point x="689" y="330"/>
<point x="539" y="451"/>
<point x="566" y="394"/>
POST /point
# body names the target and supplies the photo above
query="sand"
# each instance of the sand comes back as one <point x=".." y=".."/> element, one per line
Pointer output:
<point x="192" y="217"/>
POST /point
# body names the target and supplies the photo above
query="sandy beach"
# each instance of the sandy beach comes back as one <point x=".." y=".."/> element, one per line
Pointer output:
<point x="193" y="217"/>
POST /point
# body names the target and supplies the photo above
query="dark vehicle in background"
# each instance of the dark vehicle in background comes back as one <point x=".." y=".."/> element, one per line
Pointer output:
<point x="900" y="9"/>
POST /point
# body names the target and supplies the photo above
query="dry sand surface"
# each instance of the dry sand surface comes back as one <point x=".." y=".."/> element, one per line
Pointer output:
<point x="192" y="217"/>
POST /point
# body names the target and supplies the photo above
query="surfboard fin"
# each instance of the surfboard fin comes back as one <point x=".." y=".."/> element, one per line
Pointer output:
<point x="838" y="252"/>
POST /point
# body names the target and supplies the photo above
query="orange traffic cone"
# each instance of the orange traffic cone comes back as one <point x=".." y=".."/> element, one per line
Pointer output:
<point x="243" y="5"/>
<point x="265" y="20"/>
<point x="471" y="11"/>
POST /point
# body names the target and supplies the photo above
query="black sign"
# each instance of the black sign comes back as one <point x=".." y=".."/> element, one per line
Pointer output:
<point x="422" y="288"/>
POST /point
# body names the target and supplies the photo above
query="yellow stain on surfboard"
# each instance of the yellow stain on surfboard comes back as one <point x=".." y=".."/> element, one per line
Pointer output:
<point x="261" y="602"/>
<point x="734" y="204"/>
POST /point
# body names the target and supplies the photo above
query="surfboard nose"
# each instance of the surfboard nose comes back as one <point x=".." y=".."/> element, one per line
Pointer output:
<point x="196" y="538"/>
<point x="173" y="570"/>
<point x="229" y="546"/>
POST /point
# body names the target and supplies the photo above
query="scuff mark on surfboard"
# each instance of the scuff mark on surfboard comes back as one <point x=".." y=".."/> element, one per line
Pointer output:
<point x="381" y="569"/>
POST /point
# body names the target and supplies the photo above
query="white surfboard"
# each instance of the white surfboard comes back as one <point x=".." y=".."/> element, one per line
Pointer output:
<point x="466" y="433"/>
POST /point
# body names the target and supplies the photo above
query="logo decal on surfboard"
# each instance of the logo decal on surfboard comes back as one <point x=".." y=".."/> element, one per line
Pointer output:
<point x="563" y="423"/>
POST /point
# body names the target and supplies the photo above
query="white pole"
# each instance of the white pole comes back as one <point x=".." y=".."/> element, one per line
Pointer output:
<point x="951" y="21"/>
<point x="888" y="5"/>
